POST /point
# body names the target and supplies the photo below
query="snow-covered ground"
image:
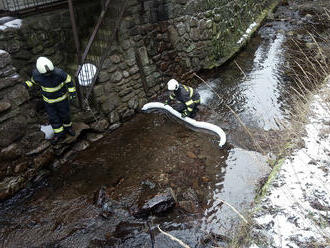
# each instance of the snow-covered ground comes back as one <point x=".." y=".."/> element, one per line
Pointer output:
<point x="247" y="33"/>
<point x="295" y="211"/>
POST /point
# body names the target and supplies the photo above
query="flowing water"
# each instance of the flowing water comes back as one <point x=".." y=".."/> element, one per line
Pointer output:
<point x="155" y="152"/>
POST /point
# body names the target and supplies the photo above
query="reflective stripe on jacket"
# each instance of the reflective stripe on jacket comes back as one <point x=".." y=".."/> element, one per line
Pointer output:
<point x="54" y="86"/>
<point x="186" y="95"/>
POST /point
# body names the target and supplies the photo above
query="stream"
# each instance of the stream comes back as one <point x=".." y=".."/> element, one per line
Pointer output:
<point x="152" y="153"/>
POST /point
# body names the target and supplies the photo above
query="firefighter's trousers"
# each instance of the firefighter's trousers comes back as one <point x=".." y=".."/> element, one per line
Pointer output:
<point x="59" y="116"/>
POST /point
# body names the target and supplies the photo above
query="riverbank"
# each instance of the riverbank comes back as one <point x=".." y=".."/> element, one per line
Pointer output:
<point x="111" y="193"/>
<point x="293" y="206"/>
<point x="294" y="211"/>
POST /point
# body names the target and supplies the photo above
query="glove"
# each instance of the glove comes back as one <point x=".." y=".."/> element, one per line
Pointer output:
<point x="72" y="97"/>
<point x="184" y="114"/>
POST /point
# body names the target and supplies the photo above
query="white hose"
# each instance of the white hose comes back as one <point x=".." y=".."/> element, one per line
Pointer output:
<point x="194" y="123"/>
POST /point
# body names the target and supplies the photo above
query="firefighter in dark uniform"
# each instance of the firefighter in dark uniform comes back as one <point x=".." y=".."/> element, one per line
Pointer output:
<point x="56" y="88"/>
<point x="188" y="98"/>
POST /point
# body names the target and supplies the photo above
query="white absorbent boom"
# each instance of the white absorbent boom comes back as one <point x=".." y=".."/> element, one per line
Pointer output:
<point x="198" y="124"/>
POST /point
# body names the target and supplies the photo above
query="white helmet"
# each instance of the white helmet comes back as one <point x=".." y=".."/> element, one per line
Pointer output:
<point x="44" y="65"/>
<point x="172" y="85"/>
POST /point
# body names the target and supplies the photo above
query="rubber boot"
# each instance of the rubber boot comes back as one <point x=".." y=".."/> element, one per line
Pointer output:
<point x="70" y="131"/>
<point x="57" y="138"/>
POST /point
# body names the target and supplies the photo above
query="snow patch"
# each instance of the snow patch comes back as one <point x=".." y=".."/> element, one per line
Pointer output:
<point x="296" y="207"/>
<point x="247" y="32"/>
<point x="17" y="23"/>
<point x="6" y="19"/>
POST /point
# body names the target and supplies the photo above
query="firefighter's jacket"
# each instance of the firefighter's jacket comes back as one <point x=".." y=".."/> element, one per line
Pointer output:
<point x="55" y="87"/>
<point x="186" y="95"/>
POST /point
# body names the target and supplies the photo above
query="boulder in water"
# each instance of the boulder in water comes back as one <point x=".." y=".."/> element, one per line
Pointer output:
<point x="158" y="204"/>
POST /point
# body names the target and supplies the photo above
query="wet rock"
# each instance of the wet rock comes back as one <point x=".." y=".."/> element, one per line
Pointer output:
<point x="163" y="178"/>
<point x="11" y="152"/>
<point x="158" y="204"/>
<point x="33" y="139"/>
<point x="41" y="175"/>
<point x="103" y="77"/>
<point x="128" y="114"/>
<point x="191" y="155"/>
<point x="114" y="126"/>
<point x="5" y="59"/>
<point x="148" y="184"/>
<point x="78" y="127"/>
<point x="21" y="167"/>
<point x="9" y="81"/>
<point x="56" y="165"/>
<point x="81" y="146"/>
<point x="12" y="130"/>
<point x="60" y="148"/>
<point x="102" y="200"/>
<point x="202" y="156"/>
<point x="85" y="116"/>
<point x="100" y="197"/>
<point x="217" y="240"/>
<point x="10" y="186"/>
<point x="107" y="210"/>
<point x="308" y="16"/>
<point x="190" y="195"/>
<point x="43" y="159"/>
<point x="92" y="137"/>
<point x="188" y="206"/>
<point x="114" y="117"/>
<point x="42" y="147"/>
<point x="18" y="95"/>
<point x="205" y="179"/>
<point x="67" y="156"/>
<point x="313" y="162"/>
<point x="133" y="103"/>
<point x="100" y="126"/>
<point x="4" y="106"/>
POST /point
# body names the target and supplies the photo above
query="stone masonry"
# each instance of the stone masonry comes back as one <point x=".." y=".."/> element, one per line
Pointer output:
<point x="157" y="40"/>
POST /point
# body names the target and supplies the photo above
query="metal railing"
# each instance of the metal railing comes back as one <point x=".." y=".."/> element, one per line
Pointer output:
<point x="23" y="7"/>
<point x="97" y="49"/>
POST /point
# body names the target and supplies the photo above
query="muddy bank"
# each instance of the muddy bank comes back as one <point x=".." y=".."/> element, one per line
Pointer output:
<point x="134" y="168"/>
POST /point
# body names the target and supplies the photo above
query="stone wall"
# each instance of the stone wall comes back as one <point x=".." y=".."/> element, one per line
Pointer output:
<point x="157" y="40"/>
<point x="23" y="150"/>
<point x="47" y="34"/>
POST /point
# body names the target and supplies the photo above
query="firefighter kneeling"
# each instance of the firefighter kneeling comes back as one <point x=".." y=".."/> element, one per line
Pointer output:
<point x="187" y="97"/>
<point x="56" y="88"/>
